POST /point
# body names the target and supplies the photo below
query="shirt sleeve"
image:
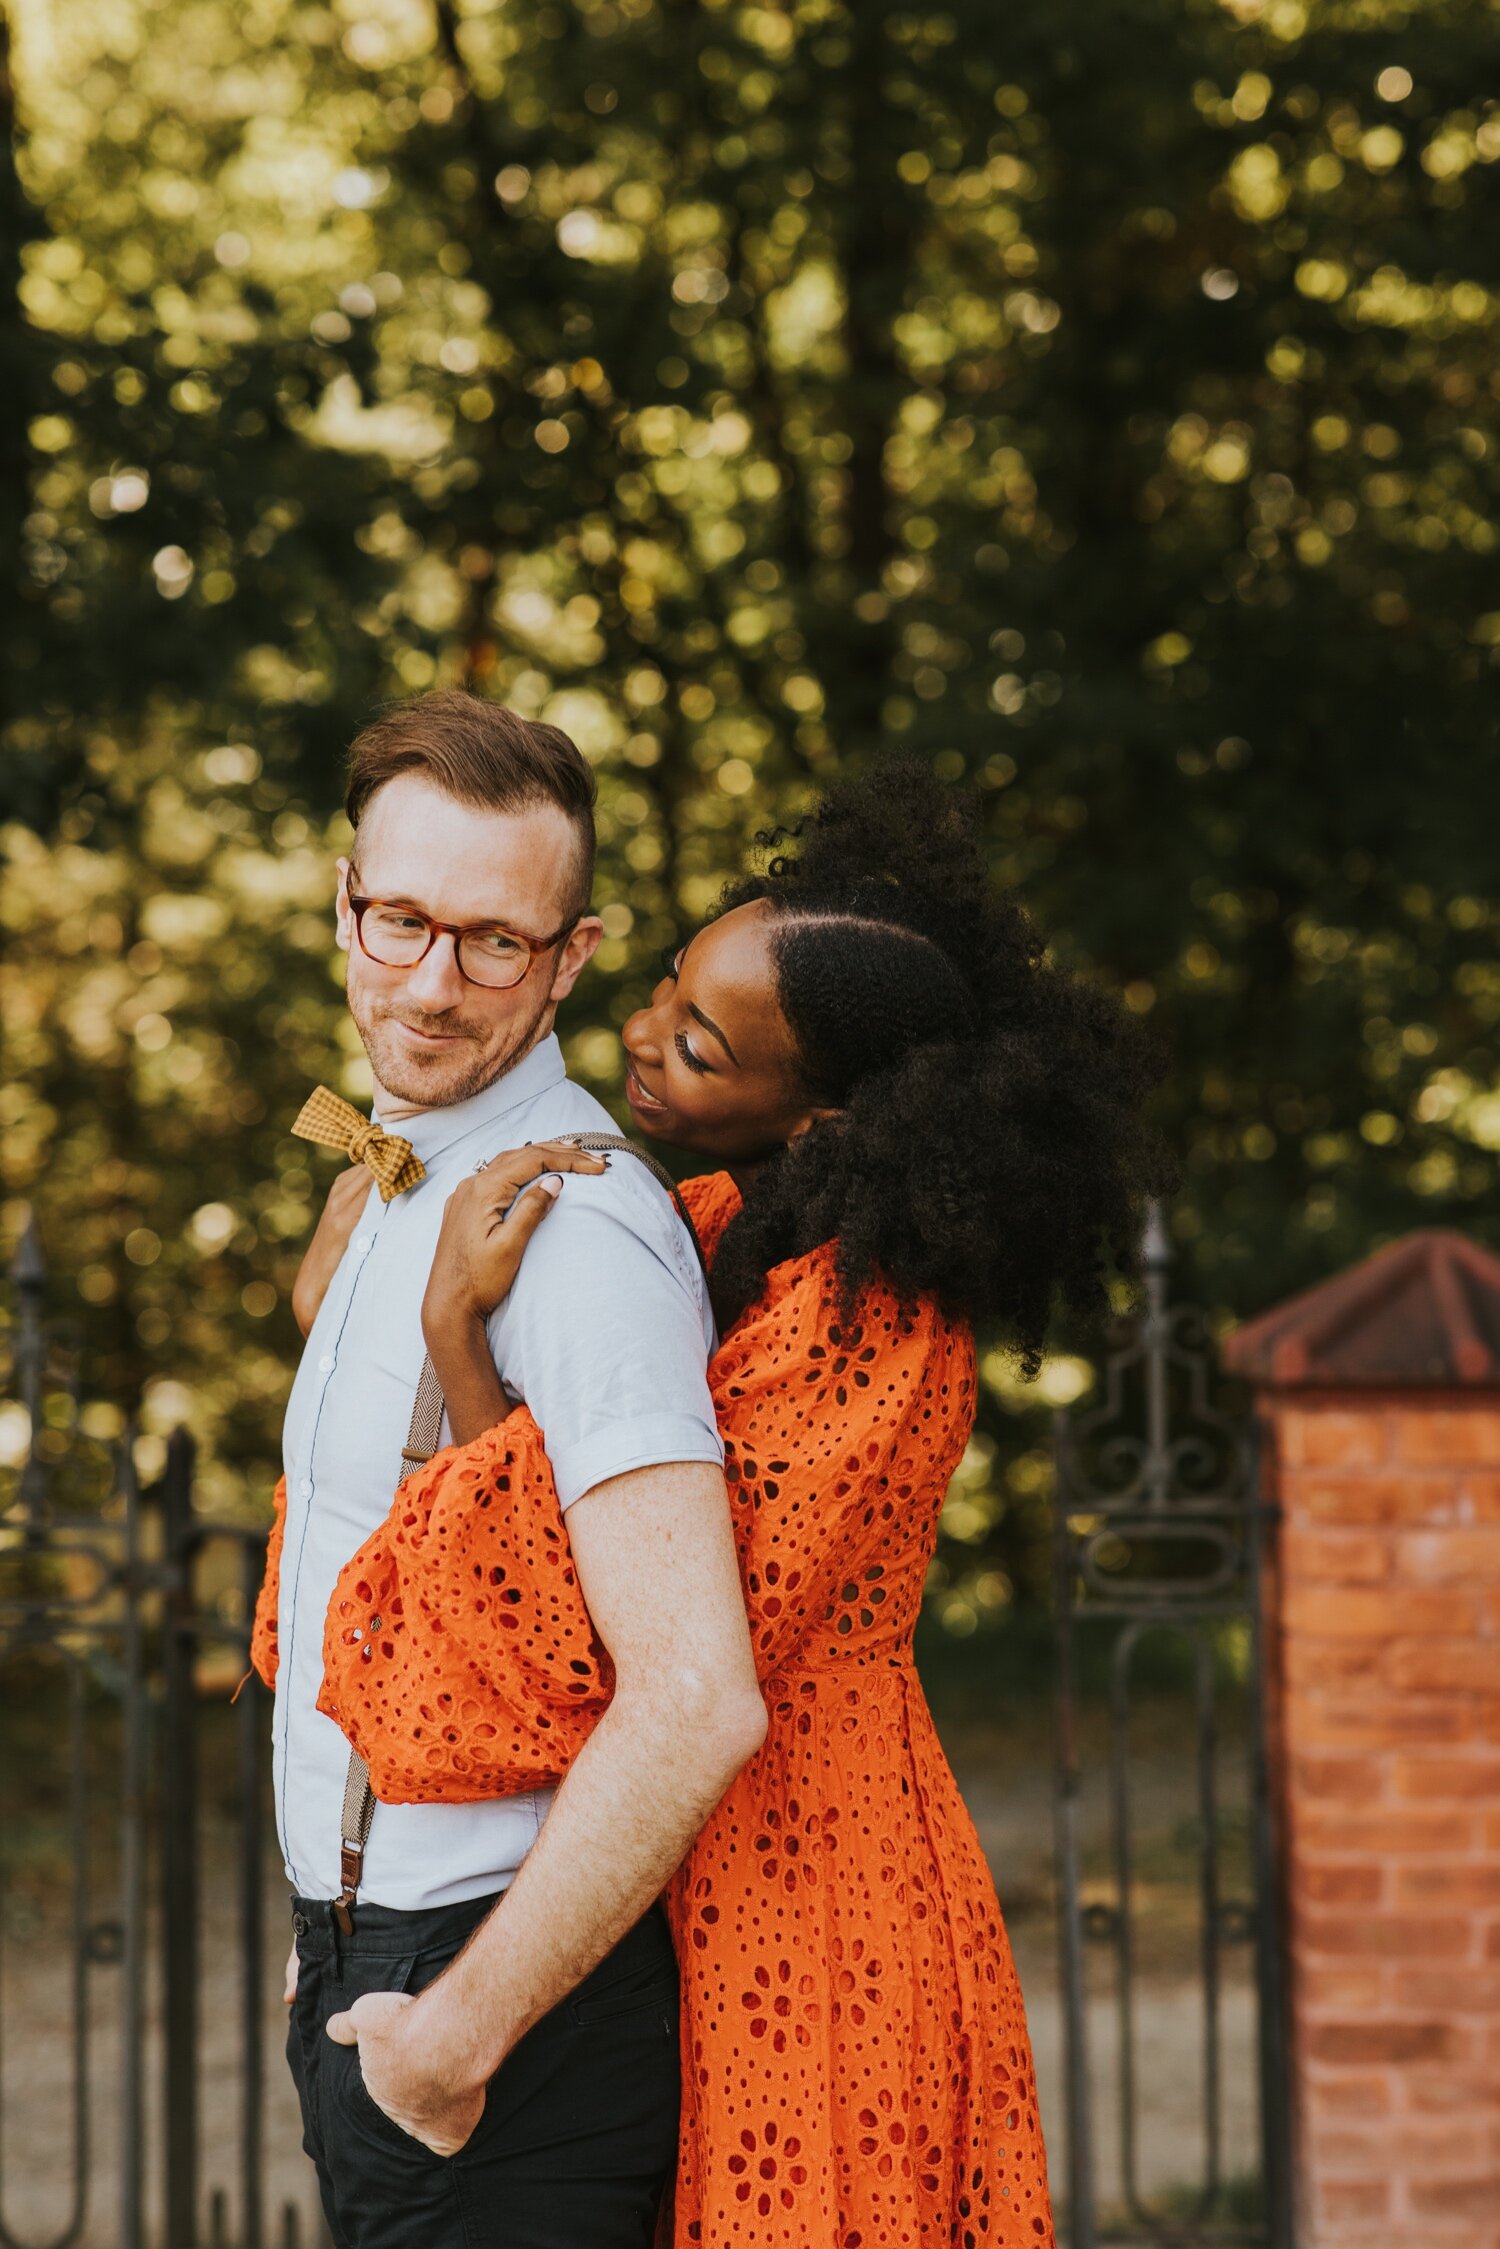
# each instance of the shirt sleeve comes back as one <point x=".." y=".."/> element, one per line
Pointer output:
<point x="602" y="1336"/>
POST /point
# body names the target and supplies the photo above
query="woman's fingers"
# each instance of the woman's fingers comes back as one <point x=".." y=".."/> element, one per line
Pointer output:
<point x="567" y="1151"/>
<point x="504" y="1178"/>
<point x="528" y="1211"/>
<point x="522" y="1208"/>
<point x="495" y="1262"/>
<point x="519" y="1165"/>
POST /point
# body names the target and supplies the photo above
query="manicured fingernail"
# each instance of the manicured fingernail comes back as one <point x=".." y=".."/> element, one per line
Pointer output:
<point x="550" y="1183"/>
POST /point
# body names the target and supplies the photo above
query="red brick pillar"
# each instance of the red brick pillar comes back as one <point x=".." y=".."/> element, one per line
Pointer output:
<point x="1381" y="1394"/>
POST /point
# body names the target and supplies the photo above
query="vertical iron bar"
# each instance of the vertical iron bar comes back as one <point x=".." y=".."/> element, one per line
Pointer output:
<point x="33" y="1633"/>
<point x="1270" y="1921"/>
<point x="1208" y="1870"/>
<point x="1156" y="1257"/>
<point x="1082" y="2217"/>
<point x="4" y="1919"/>
<point x="132" y="1866"/>
<point x="28" y="1270"/>
<point x="180" y="1849"/>
<point x="78" y="1816"/>
<point x="252" y="1928"/>
<point x="1121" y="1852"/>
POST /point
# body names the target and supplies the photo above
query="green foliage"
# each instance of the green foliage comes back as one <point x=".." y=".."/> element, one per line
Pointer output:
<point x="1097" y="400"/>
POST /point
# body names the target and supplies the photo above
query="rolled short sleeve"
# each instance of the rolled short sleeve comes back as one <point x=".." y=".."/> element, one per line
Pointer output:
<point x="603" y="1335"/>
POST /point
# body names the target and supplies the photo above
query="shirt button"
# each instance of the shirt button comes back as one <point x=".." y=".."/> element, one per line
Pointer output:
<point x="362" y="1244"/>
<point x="325" y="1364"/>
<point x="305" y="1487"/>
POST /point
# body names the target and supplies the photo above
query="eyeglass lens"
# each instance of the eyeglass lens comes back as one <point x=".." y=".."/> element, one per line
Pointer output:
<point x="488" y="956"/>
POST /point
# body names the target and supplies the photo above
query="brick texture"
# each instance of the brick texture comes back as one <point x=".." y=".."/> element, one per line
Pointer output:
<point x="1385" y="1632"/>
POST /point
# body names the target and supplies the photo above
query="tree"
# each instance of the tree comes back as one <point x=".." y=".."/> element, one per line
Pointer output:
<point x="1097" y="402"/>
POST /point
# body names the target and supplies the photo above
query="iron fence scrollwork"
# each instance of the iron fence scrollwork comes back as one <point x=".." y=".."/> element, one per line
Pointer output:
<point x="101" y="1578"/>
<point x="1159" y="1529"/>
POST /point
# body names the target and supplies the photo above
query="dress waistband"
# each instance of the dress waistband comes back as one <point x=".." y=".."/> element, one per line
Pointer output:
<point x="900" y="1663"/>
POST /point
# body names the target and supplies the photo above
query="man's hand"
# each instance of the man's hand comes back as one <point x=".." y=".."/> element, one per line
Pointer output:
<point x="290" y="1993"/>
<point x="410" y="2069"/>
<point x="346" y="1199"/>
<point x="487" y="1222"/>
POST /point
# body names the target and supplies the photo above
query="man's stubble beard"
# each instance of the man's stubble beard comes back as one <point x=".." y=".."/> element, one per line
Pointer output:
<point x="449" y="1075"/>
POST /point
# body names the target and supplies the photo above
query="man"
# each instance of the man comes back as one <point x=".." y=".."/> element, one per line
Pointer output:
<point x="524" y="2093"/>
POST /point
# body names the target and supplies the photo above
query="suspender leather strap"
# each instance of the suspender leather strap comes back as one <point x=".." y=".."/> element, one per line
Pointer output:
<point x="421" y="1443"/>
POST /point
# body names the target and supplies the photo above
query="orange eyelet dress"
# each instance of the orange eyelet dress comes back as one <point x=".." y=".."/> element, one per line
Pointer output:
<point x="856" y="2067"/>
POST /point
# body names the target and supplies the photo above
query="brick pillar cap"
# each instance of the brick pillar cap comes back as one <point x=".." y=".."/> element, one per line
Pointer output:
<point x="1423" y="1311"/>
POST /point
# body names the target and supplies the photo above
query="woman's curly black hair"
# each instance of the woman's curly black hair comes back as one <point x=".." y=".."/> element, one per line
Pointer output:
<point x="989" y="1147"/>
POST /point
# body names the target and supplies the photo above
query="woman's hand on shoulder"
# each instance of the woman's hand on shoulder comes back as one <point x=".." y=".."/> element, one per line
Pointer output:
<point x="340" y="1215"/>
<point x="487" y="1222"/>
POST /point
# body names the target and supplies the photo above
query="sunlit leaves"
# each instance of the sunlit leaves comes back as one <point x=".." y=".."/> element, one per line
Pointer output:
<point x="1098" y="403"/>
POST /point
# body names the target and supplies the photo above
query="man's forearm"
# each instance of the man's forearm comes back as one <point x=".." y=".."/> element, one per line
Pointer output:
<point x="655" y="1554"/>
<point x="642" y="1787"/>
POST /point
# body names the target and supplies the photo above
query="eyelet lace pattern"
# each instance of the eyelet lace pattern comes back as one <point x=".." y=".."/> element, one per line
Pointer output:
<point x="856" y="2067"/>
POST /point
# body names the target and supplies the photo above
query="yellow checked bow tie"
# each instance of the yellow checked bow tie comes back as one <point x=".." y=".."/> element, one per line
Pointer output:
<point x="330" y="1121"/>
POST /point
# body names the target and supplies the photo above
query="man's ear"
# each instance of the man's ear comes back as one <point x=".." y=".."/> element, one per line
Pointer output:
<point x="342" y="909"/>
<point x="582" y="943"/>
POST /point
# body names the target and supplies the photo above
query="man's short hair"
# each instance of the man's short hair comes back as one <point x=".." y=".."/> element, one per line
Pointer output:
<point x="483" y="755"/>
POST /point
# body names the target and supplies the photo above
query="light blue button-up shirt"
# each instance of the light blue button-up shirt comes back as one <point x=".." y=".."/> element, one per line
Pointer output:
<point x="605" y="1336"/>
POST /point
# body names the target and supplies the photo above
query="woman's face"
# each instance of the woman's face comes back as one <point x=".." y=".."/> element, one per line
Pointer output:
<point x="712" y="1061"/>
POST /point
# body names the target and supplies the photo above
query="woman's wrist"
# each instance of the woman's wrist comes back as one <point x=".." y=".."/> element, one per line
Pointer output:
<point x="455" y="1330"/>
<point x="459" y="1346"/>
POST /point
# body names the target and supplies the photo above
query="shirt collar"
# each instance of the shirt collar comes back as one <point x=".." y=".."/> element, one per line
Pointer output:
<point x="434" y="1131"/>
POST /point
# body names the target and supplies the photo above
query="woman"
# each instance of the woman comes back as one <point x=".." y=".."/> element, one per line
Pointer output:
<point x="922" y="1123"/>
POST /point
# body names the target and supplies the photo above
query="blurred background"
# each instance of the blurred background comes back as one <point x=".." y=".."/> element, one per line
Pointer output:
<point x="1096" y="398"/>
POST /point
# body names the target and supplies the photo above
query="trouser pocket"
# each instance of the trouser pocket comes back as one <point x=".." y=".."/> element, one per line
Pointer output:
<point x="640" y="1973"/>
<point x="340" y="2066"/>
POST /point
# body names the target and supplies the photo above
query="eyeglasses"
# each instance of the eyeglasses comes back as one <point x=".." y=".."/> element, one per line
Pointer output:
<point x="396" y="935"/>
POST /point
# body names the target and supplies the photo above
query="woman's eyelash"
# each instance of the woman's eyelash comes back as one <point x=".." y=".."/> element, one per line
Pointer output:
<point x="689" y="1057"/>
<point x="670" y="956"/>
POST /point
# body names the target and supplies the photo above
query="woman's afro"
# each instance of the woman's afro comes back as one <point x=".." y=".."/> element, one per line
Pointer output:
<point x="987" y="1145"/>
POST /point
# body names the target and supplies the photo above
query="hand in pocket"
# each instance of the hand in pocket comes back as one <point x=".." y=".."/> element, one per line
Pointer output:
<point x="409" y="2078"/>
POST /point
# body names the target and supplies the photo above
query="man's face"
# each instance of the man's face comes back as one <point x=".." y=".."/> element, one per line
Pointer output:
<point x="433" y="1037"/>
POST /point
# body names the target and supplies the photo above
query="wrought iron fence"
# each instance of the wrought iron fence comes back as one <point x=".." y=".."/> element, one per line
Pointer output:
<point x="1159" y="1530"/>
<point x="108" y="1614"/>
<point x="102" y="1592"/>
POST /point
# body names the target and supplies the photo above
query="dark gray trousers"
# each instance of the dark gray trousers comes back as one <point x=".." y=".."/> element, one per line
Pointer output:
<point x="579" y="2132"/>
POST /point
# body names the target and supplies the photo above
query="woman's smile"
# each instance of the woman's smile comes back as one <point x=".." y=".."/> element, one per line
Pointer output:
<point x="637" y="1096"/>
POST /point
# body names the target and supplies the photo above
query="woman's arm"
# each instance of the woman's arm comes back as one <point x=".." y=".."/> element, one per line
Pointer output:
<point x="340" y="1215"/>
<point x="472" y="1391"/>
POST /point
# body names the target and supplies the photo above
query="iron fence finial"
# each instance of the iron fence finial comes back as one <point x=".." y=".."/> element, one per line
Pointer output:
<point x="28" y="1268"/>
<point x="1156" y="1242"/>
